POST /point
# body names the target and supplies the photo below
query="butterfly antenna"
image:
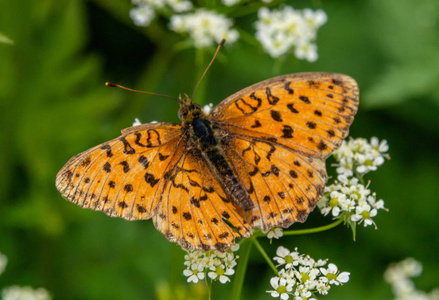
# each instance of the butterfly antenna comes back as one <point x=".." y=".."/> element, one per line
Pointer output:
<point x="216" y="52"/>
<point x="136" y="91"/>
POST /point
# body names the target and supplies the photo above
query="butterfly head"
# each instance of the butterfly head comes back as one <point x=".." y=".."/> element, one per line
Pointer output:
<point x="189" y="110"/>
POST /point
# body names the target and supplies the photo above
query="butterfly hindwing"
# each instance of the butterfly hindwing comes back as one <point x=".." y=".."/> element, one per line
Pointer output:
<point x="194" y="208"/>
<point x="285" y="185"/>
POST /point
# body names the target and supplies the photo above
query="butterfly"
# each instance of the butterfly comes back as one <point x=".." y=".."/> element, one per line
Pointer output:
<point x="256" y="161"/>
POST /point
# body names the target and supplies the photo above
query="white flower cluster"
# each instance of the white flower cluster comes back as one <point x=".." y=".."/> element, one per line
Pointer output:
<point x="205" y="27"/>
<point x="215" y="264"/>
<point x="280" y="30"/>
<point x="398" y="276"/>
<point x="25" y="293"/>
<point x="302" y="276"/>
<point x="360" y="156"/>
<point x="144" y="11"/>
<point x="350" y="200"/>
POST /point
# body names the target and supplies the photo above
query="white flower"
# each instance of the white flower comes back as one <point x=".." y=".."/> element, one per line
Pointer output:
<point x="381" y="147"/>
<point x="275" y="232"/>
<point x="195" y="273"/>
<point x="361" y="156"/>
<point x="287" y="258"/>
<point x="332" y="275"/>
<point x="281" y="288"/>
<point x="205" y="27"/>
<point x="345" y="166"/>
<point x="367" y="162"/>
<point x="315" y="19"/>
<point x="307" y="51"/>
<point x="142" y="15"/>
<point x="3" y="262"/>
<point x="364" y="213"/>
<point x="180" y="5"/>
<point x="220" y="273"/>
<point x="333" y="203"/>
<point x="25" y="293"/>
<point x="217" y="265"/>
<point x="289" y="275"/>
<point x="307" y="274"/>
<point x="375" y="204"/>
<point x="323" y="287"/>
<point x="281" y="30"/>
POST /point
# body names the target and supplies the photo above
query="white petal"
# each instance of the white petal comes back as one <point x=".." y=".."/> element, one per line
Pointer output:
<point x="343" y="277"/>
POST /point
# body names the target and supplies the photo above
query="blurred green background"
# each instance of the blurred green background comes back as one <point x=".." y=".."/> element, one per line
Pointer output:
<point x="53" y="105"/>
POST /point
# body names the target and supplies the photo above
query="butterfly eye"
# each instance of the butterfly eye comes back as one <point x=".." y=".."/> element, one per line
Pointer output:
<point x="182" y="113"/>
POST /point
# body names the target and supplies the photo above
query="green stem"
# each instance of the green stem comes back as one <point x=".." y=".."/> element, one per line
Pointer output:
<point x="306" y="231"/>
<point x="264" y="254"/>
<point x="200" y="68"/>
<point x="314" y="230"/>
<point x="209" y="288"/>
<point x="238" y="282"/>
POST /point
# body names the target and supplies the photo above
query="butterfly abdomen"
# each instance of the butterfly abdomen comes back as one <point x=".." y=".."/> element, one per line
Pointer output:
<point x="209" y="145"/>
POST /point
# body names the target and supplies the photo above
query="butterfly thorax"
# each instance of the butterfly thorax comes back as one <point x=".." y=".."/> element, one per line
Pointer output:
<point x="204" y="140"/>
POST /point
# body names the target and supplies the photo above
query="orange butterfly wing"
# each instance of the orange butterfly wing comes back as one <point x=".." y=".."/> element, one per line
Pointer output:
<point x="277" y="134"/>
<point x="123" y="177"/>
<point x="194" y="206"/>
<point x="150" y="172"/>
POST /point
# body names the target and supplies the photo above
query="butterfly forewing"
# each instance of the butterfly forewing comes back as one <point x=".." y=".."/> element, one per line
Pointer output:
<point x="308" y="112"/>
<point x="124" y="176"/>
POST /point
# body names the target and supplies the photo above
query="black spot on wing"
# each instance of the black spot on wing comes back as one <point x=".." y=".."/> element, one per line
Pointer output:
<point x="288" y="88"/>
<point x="127" y="149"/>
<point x="287" y="132"/>
<point x="143" y="161"/>
<point x="305" y="99"/>
<point x="126" y="166"/>
<point x="275" y="115"/>
<point x="149" y="178"/>
<point x="107" y="148"/>
<point x="271" y="99"/>
<point x="290" y="106"/>
<point x="107" y="167"/>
